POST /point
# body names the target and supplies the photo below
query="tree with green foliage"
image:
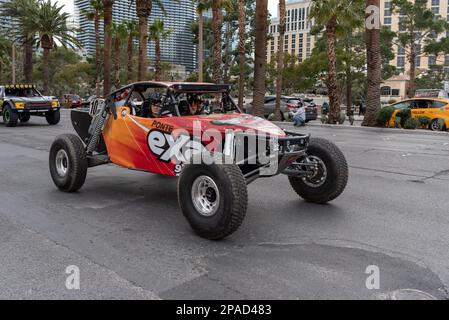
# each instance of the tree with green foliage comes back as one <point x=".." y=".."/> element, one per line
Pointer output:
<point x="107" y="52"/>
<point x="119" y="34"/>
<point x="433" y="78"/>
<point x="23" y="12"/>
<point x="51" y="25"/>
<point x="133" y="32"/>
<point x="143" y="10"/>
<point x="419" y="28"/>
<point x="5" y="51"/>
<point x="95" y="14"/>
<point x="158" y="33"/>
<point x="330" y="15"/>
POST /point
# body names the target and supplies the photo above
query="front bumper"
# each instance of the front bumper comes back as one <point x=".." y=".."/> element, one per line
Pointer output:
<point x="291" y="148"/>
<point x="36" y="110"/>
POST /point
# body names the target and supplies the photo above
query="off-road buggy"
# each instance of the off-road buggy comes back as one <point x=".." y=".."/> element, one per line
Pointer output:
<point x="21" y="101"/>
<point x="216" y="152"/>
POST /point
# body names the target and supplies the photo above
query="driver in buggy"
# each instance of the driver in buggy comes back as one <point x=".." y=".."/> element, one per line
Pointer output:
<point x="193" y="106"/>
<point x="154" y="109"/>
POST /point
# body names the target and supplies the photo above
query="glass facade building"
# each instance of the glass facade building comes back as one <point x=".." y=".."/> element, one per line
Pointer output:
<point x="178" y="48"/>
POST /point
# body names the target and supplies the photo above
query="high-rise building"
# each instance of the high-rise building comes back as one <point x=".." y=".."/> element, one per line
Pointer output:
<point x="178" y="48"/>
<point x="298" y="40"/>
<point x="423" y="62"/>
<point x="5" y="21"/>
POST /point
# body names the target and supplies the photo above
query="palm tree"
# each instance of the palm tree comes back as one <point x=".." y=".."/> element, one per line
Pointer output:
<point x="217" y="18"/>
<point x="280" y="60"/>
<point x="143" y="9"/>
<point x="242" y="56"/>
<point x="260" y="60"/>
<point x="132" y="30"/>
<point x="119" y="32"/>
<point x="5" y="50"/>
<point x="374" y="72"/>
<point x="96" y="14"/>
<point x="330" y="14"/>
<point x="107" y="7"/>
<point x="50" y="24"/>
<point x="22" y="11"/>
<point x="157" y="33"/>
<point x="202" y="6"/>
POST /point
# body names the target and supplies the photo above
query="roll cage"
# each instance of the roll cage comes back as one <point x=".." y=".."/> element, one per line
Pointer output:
<point x="171" y="97"/>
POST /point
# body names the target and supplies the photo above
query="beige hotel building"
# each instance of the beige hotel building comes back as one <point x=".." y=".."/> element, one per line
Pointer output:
<point x="298" y="41"/>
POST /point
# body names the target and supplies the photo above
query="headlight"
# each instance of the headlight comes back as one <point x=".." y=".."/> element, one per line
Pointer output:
<point x="20" y="105"/>
<point x="55" y="104"/>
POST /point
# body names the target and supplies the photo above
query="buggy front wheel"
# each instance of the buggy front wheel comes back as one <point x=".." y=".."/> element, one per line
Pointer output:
<point x="327" y="173"/>
<point x="213" y="198"/>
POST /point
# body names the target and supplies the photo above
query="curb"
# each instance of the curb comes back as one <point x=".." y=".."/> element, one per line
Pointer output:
<point x="377" y="130"/>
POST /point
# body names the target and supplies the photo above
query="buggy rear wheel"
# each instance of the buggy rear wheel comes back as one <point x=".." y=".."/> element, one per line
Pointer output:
<point x="68" y="163"/>
<point x="213" y="198"/>
<point x="329" y="175"/>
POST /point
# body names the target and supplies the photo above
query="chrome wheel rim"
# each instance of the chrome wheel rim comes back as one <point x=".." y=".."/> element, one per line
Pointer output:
<point x="205" y="196"/>
<point x="62" y="163"/>
<point x="318" y="174"/>
<point x="7" y="115"/>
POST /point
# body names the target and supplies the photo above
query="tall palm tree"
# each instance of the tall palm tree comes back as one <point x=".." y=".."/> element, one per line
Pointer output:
<point x="50" y="24"/>
<point x="22" y="11"/>
<point x="280" y="60"/>
<point x="119" y="32"/>
<point x="132" y="30"/>
<point x="96" y="14"/>
<point x="330" y="14"/>
<point x="143" y="10"/>
<point x="5" y="50"/>
<point x="242" y="53"/>
<point x="157" y="33"/>
<point x="374" y="72"/>
<point x="260" y="60"/>
<point x="217" y="18"/>
<point x="202" y="6"/>
<point x="107" y="7"/>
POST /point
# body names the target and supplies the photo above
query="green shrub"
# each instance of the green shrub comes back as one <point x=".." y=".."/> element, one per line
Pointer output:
<point x="404" y="114"/>
<point x="411" y="124"/>
<point x="384" y="115"/>
<point x="424" y="121"/>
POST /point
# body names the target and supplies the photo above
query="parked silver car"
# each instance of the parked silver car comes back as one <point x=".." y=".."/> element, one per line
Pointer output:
<point x="288" y="104"/>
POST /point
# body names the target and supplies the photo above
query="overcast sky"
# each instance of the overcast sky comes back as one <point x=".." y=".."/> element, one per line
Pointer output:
<point x="69" y="6"/>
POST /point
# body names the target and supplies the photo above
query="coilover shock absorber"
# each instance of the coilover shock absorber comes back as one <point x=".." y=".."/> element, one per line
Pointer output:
<point x="98" y="122"/>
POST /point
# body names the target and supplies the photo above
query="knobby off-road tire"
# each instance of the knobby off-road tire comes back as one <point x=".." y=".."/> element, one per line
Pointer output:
<point x="336" y="173"/>
<point x="213" y="198"/>
<point x="10" y="118"/>
<point x="68" y="163"/>
<point x="53" y="117"/>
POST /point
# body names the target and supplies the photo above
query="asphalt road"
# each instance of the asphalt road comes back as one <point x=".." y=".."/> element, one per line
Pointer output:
<point x="126" y="234"/>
